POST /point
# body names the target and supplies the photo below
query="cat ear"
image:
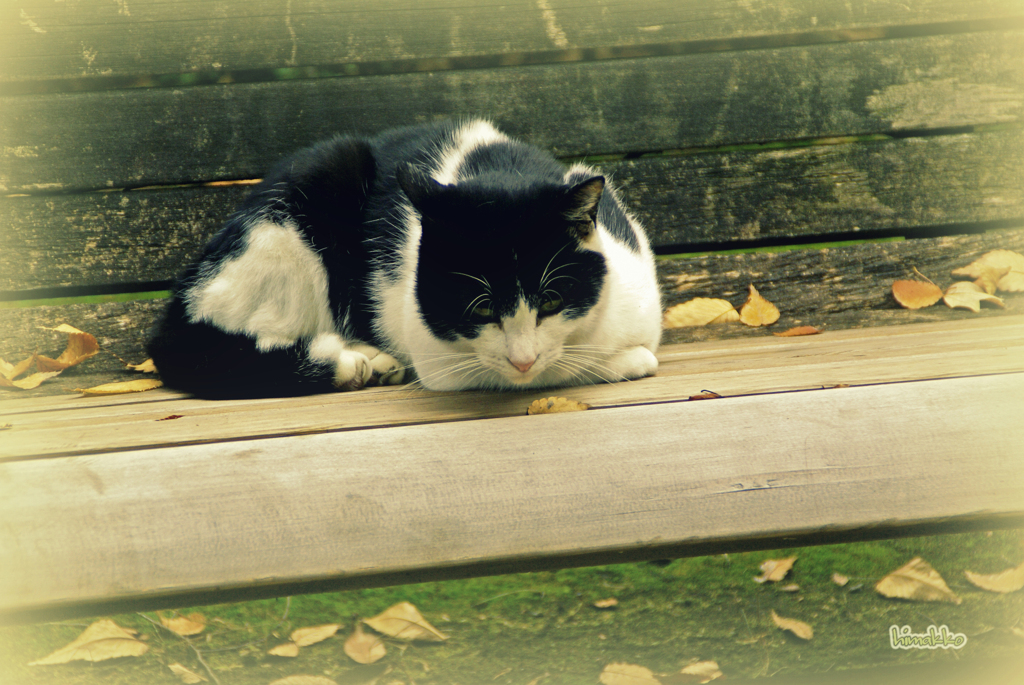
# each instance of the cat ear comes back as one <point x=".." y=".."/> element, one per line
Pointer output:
<point x="582" y="210"/>
<point x="417" y="184"/>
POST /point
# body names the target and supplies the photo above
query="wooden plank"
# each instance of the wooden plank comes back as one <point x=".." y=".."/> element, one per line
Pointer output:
<point x="130" y="138"/>
<point x="69" y="40"/>
<point x="355" y="509"/>
<point x="758" y="365"/>
<point x="121" y="237"/>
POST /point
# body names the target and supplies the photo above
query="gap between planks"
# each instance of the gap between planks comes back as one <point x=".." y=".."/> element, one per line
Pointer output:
<point x="56" y="426"/>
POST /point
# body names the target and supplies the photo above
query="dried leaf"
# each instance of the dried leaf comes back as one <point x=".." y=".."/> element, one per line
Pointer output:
<point x="304" y="637"/>
<point x="404" y="622"/>
<point x="917" y="581"/>
<point x="609" y="603"/>
<point x="799" y="330"/>
<point x="287" y="649"/>
<point x="705" y="395"/>
<point x="363" y="648"/>
<point x="12" y="371"/>
<point x="555" y="405"/>
<point x="122" y="387"/>
<point x="989" y="279"/>
<point x="757" y="311"/>
<point x="798" y="628"/>
<point x="1010" y="580"/>
<point x="993" y="262"/>
<point x="699" y="311"/>
<point x="916" y="294"/>
<point x="81" y="346"/>
<point x="839" y="579"/>
<point x="102" y="640"/>
<point x="28" y="382"/>
<point x="627" y="674"/>
<point x="193" y="624"/>
<point x="775" y="570"/>
<point x="187" y="676"/>
<point x="967" y="295"/>
<point x="145" y="367"/>
<point x="304" y="680"/>
<point x="792" y="587"/>
<point x="698" y="672"/>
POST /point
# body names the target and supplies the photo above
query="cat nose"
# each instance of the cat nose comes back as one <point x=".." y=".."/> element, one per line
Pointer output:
<point x="523" y="366"/>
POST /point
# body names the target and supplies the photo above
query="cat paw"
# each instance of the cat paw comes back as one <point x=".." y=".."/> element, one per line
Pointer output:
<point x="386" y="369"/>
<point x="352" y="371"/>
<point x="635" y="362"/>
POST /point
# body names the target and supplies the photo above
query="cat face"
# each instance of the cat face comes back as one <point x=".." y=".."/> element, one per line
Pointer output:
<point x="506" y="278"/>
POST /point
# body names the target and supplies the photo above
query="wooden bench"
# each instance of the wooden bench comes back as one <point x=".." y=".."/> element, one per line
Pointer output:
<point x="128" y="132"/>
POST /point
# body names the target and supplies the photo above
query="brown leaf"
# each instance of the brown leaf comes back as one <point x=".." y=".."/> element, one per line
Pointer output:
<point x="757" y="311"/>
<point x="916" y="294"/>
<point x="705" y="395"/>
<point x="775" y="570"/>
<point x="81" y="346"/>
<point x="839" y="579"/>
<point x="102" y="640"/>
<point x="555" y="405"/>
<point x="122" y="387"/>
<point x="699" y="311"/>
<point x="304" y="637"/>
<point x="1010" y="580"/>
<point x="363" y="648"/>
<point x="993" y="262"/>
<point x="627" y="674"/>
<point x="404" y="622"/>
<point x="798" y="628"/>
<point x="967" y="295"/>
<point x="287" y="649"/>
<point x="144" y="367"/>
<point x="187" y="676"/>
<point x="193" y="624"/>
<point x="917" y="581"/>
<point x="799" y="330"/>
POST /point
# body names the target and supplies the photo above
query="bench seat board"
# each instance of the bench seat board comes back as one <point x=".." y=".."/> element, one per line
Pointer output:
<point x="137" y="137"/>
<point x="190" y="524"/>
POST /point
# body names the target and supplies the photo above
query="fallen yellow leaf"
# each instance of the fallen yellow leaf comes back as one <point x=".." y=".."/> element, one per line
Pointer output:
<point x="918" y="581"/>
<point x="193" y="624"/>
<point x="304" y="637"/>
<point x="916" y="294"/>
<point x="798" y="628"/>
<point x="287" y="649"/>
<point x="609" y="603"/>
<point x="774" y="570"/>
<point x="309" y="680"/>
<point x="627" y="674"/>
<point x="1010" y="580"/>
<point x="102" y="640"/>
<point x="363" y="648"/>
<point x="699" y="311"/>
<point x="81" y="346"/>
<point x="555" y="405"/>
<point x="993" y="262"/>
<point x="799" y="330"/>
<point x="144" y="367"/>
<point x="757" y="311"/>
<point x="404" y="622"/>
<point x="28" y="382"/>
<point x="122" y="387"/>
<point x="839" y="579"/>
<point x="698" y="672"/>
<point x="968" y="295"/>
<point x="187" y="676"/>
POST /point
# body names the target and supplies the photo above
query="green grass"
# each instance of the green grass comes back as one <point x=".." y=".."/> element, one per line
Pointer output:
<point x="517" y="628"/>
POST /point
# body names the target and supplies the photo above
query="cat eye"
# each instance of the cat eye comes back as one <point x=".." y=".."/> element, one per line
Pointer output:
<point x="551" y="305"/>
<point x="483" y="312"/>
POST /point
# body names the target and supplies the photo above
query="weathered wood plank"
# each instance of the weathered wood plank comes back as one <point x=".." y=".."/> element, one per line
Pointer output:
<point x="120" y="237"/>
<point x="756" y="365"/>
<point x="199" y="524"/>
<point x="158" y="136"/>
<point x="61" y="41"/>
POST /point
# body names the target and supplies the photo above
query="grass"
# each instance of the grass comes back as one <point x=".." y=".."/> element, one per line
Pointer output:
<point x="542" y="628"/>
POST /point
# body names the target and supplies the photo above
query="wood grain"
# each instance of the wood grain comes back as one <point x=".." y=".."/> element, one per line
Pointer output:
<point x="67" y="41"/>
<point x="758" y="364"/>
<point x="122" y="237"/>
<point x="361" y="508"/>
<point x="128" y="138"/>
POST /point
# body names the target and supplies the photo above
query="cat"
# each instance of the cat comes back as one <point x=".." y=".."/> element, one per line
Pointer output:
<point x="446" y="252"/>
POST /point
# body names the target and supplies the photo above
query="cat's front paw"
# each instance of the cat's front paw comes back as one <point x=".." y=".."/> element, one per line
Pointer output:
<point x="352" y="371"/>
<point x="386" y="369"/>
<point x="635" y="362"/>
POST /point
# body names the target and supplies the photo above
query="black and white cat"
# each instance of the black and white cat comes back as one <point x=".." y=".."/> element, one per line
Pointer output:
<point x="447" y="251"/>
